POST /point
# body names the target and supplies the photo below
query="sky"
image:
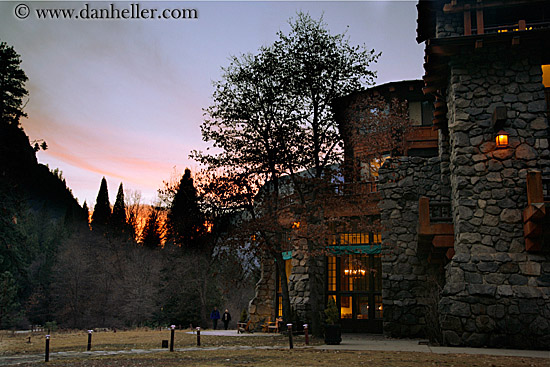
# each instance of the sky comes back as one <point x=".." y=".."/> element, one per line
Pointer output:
<point x="124" y="98"/>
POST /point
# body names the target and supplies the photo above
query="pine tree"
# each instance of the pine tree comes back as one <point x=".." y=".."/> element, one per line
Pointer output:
<point x="151" y="236"/>
<point x="118" y="218"/>
<point x="102" y="208"/>
<point x="85" y="213"/>
<point x="12" y="86"/>
<point x="185" y="219"/>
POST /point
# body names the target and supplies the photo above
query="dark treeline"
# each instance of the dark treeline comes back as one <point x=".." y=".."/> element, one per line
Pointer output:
<point x="129" y="265"/>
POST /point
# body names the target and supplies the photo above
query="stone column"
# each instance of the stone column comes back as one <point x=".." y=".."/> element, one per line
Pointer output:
<point x="496" y="293"/>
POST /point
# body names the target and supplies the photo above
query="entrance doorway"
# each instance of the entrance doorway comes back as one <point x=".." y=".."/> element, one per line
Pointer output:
<point x="355" y="283"/>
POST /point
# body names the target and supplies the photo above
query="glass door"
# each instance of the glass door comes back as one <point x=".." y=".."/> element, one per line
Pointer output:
<point x="358" y="291"/>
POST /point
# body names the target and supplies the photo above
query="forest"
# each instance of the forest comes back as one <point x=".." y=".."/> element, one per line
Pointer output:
<point x="122" y="265"/>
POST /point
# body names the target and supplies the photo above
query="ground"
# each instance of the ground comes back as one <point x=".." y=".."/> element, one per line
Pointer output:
<point x="255" y="350"/>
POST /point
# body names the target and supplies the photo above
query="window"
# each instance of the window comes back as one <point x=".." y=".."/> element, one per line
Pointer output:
<point x="354" y="238"/>
<point x="546" y="76"/>
<point x="415" y="113"/>
<point x="546" y="83"/>
<point x="279" y="295"/>
<point x="331" y="273"/>
<point x="427" y="113"/>
<point x="355" y="282"/>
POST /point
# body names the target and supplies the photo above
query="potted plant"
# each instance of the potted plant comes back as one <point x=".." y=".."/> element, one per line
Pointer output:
<point x="333" y="329"/>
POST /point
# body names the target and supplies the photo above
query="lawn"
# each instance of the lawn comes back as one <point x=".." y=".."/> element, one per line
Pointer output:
<point x="14" y="344"/>
<point x="220" y="351"/>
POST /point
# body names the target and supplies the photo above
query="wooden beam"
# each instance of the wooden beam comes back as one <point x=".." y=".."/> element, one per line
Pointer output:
<point x="467" y="21"/>
<point x="430" y="89"/>
<point x="534" y="212"/>
<point x="533" y="244"/>
<point x="440" y="50"/>
<point x="534" y="187"/>
<point x="443" y="241"/>
<point x="532" y="230"/>
<point x="440" y="104"/>
<point x="450" y="8"/>
<point x="423" y="215"/>
<point x="442" y="229"/>
<point x="479" y="19"/>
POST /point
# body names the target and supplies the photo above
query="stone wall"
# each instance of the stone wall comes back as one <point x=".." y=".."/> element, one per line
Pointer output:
<point x="303" y="299"/>
<point x="262" y="306"/>
<point x="496" y="293"/>
<point x="410" y="286"/>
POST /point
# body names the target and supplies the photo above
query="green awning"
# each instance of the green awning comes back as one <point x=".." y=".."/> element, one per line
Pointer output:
<point x="356" y="249"/>
<point x="346" y="250"/>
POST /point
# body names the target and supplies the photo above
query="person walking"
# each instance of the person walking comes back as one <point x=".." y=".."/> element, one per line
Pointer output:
<point x="215" y="316"/>
<point x="226" y="317"/>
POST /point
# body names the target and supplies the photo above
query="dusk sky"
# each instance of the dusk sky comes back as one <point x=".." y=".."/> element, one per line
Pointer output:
<point x="123" y="98"/>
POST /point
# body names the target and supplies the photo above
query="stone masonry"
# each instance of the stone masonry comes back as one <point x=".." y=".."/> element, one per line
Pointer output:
<point x="494" y="292"/>
<point x="262" y="307"/>
<point x="410" y="284"/>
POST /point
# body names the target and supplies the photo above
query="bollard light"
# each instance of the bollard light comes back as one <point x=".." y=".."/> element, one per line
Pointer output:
<point x="89" y="340"/>
<point x="290" y="342"/>
<point x="198" y="336"/>
<point x="47" y="353"/>
<point x="306" y="334"/>
<point x="172" y="331"/>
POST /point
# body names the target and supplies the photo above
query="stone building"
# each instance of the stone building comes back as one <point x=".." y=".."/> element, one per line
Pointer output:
<point x="464" y="253"/>
<point x="352" y="271"/>
<point x="467" y="257"/>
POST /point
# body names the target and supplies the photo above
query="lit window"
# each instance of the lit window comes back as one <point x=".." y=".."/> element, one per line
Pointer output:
<point x="546" y="76"/>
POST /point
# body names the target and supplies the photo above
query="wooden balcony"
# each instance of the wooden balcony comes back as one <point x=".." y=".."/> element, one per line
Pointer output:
<point x="338" y="200"/>
<point x="421" y="137"/>
<point x="435" y="230"/>
<point x="536" y="216"/>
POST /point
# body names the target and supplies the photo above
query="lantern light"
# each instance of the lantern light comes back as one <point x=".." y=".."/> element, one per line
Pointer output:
<point x="502" y="139"/>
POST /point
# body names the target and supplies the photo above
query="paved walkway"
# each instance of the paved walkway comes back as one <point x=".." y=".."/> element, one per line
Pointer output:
<point x="358" y="342"/>
<point x="381" y="343"/>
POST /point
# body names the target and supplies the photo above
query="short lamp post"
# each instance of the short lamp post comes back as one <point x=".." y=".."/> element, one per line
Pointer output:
<point x="502" y="139"/>
<point x="306" y="334"/>
<point x="47" y="352"/>
<point x="290" y="342"/>
<point x="172" y="331"/>
<point x="89" y="340"/>
<point x="198" y="336"/>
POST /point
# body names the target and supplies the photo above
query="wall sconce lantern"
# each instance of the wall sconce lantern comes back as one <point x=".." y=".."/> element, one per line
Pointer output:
<point x="502" y="139"/>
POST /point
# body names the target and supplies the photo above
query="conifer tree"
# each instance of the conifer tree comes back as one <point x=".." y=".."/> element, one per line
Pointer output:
<point x="118" y="218"/>
<point x="85" y="212"/>
<point x="185" y="220"/>
<point x="151" y="236"/>
<point x="102" y="208"/>
<point x="12" y="86"/>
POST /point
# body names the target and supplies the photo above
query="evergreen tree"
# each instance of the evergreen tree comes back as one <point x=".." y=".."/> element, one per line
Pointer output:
<point x="151" y="236"/>
<point x="185" y="219"/>
<point x="102" y="208"/>
<point x="12" y="86"/>
<point x="118" y="218"/>
<point x="9" y="304"/>
<point x="85" y="213"/>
